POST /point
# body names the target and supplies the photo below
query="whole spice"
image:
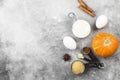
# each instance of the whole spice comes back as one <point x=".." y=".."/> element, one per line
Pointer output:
<point x="66" y="57"/>
<point x="86" y="8"/>
<point x="87" y="11"/>
<point x="85" y="5"/>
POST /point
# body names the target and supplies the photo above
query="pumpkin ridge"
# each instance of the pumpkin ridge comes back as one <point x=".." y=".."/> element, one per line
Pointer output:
<point x="102" y="52"/>
<point x="97" y="47"/>
<point x="114" y="40"/>
<point x="110" y="51"/>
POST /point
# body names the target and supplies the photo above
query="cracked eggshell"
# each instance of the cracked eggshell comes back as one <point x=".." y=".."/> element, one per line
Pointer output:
<point x="101" y="21"/>
<point x="69" y="43"/>
<point x="81" y="28"/>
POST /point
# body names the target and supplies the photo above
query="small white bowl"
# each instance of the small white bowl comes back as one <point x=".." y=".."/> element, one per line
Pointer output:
<point x="81" y="28"/>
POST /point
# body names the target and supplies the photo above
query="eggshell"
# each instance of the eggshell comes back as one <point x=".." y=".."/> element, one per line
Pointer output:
<point x="101" y="21"/>
<point x="81" y="28"/>
<point x="69" y="42"/>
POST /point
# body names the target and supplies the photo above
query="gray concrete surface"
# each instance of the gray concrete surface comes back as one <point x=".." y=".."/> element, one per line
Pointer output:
<point x="31" y="33"/>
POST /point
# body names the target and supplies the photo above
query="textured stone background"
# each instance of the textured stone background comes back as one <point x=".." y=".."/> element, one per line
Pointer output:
<point x="31" y="33"/>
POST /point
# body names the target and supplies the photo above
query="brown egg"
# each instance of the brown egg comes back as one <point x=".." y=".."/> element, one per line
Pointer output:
<point x="77" y="67"/>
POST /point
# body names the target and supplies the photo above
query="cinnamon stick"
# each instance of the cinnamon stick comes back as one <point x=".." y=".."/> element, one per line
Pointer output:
<point x="85" y="5"/>
<point x="90" y="9"/>
<point x="82" y="3"/>
<point x="87" y="11"/>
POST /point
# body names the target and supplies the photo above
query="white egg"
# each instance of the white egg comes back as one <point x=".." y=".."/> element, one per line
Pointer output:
<point x="101" y="21"/>
<point x="69" y="42"/>
<point x="81" y="28"/>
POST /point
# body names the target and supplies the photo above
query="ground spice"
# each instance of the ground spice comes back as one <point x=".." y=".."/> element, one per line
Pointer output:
<point x="86" y="49"/>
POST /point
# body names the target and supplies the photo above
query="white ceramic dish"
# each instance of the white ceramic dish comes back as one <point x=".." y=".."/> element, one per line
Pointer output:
<point x="81" y="28"/>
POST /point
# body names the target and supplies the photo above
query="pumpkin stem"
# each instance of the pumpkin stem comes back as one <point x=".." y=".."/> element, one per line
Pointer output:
<point x="107" y="42"/>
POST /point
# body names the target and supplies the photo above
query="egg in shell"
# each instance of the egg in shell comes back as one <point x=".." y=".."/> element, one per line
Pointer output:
<point x="101" y="21"/>
<point x="69" y="43"/>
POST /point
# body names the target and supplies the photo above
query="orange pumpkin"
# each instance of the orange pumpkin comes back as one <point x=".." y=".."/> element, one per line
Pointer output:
<point x="105" y="44"/>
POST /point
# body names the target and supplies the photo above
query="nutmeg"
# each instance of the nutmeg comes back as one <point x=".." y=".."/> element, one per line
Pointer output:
<point x="66" y="57"/>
